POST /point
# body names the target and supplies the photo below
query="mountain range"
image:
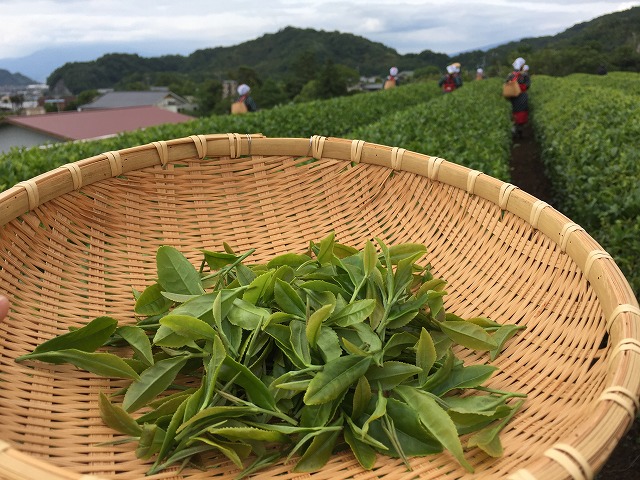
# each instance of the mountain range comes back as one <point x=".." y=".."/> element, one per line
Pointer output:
<point x="613" y="40"/>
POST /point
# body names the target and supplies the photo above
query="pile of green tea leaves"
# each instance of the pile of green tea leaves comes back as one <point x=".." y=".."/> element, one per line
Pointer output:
<point x="307" y="355"/>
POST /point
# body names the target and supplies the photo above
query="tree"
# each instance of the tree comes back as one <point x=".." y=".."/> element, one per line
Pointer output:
<point x="270" y="94"/>
<point x="303" y="69"/>
<point x="208" y="96"/>
<point x="330" y="81"/>
<point x="308" y="93"/>
<point x="16" y="101"/>
<point x="427" y="73"/>
<point x="82" y="99"/>
<point x="247" y="75"/>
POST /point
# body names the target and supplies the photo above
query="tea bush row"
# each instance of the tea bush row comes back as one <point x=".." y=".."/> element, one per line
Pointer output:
<point x="588" y="128"/>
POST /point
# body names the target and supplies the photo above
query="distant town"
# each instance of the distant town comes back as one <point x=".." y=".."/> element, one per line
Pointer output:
<point x="20" y="98"/>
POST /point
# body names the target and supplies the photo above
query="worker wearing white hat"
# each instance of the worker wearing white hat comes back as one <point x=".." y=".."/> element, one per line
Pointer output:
<point x="392" y="80"/>
<point x="244" y="103"/>
<point x="520" y="104"/>
<point x="451" y="80"/>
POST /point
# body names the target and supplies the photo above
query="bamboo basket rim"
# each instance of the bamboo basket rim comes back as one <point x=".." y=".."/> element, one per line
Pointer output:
<point x="579" y="456"/>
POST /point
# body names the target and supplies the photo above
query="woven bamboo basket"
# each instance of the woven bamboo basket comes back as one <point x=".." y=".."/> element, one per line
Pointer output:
<point x="76" y="240"/>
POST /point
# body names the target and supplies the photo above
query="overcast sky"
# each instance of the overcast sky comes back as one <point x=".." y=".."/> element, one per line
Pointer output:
<point x="156" y="27"/>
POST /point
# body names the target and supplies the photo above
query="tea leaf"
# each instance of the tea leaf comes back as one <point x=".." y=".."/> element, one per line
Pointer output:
<point x="502" y="336"/>
<point x="246" y="315"/>
<point x="475" y="403"/>
<point x="235" y="452"/>
<point x="175" y="273"/>
<point x="354" y="312"/>
<point x="361" y="397"/>
<point x="117" y="418"/>
<point x="464" y="377"/>
<point x="257" y="288"/>
<point x="198" y="307"/>
<point x="288" y="299"/>
<point x="436" y="304"/>
<point x="189" y="327"/>
<point x="105" y="364"/>
<point x="397" y="343"/>
<point x="290" y="259"/>
<point x="325" y="254"/>
<point x="468" y="335"/>
<point x="166" y="337"/>
<point x="218" y="260"/>
<point x="318" y="453"/>
<point x="488" y="439"/>
<point x="472" y="422"/>
<point x="139" y="342"/>
<point x="152" y="302"/>
<point x="249" y="433"/>
<point x="364" y="437"/>
<point x="483" y="322"/>
<point x="370" y="258"/>
<point x="210" y="415"/>
<point x="152" y="382"/>
<point x="212" y="369"/>
<point x="315" y="416"/>
<point x="336" y="377"/>
<point x="425" y="355"/>
<point x="365" y="454"/>
<point x="436" y="420"/>
<point x="299" y="341"/>
<point x="328" y="344"/>
<point x="150" y="441"/>
<point x="380" y="410"/>
<point x="88" y="338"/>
<point x="441" y="374"/>
<point x="164" y="409"/>
<point x="411" y="434"/>
<point x="255" y="389"/>
<point x="391" y="374"/>
<point x="406" y="250"/>
<point x="314" y="323"/>
<point x="323" y="286"/>
<point x="436" y="284"/>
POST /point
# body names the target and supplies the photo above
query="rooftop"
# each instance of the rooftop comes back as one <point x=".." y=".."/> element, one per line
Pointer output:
<point x="131" y="99"/>
<point x="96" y="123"/>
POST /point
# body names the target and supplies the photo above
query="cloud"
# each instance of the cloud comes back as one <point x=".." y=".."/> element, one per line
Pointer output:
<point x="409" y="26"/>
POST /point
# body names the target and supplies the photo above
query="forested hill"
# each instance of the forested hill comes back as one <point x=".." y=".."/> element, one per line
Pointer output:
<point x="273" y="54"/>
<point x="612" y="40"/>
<point x="276" y="56"/>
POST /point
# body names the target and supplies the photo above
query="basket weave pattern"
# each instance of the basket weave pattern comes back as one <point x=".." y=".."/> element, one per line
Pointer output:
<point x="75" y="241"/>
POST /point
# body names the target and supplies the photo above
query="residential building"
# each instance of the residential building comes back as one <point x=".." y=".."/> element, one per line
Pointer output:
<point x="29" y="131"/>
<point x="157" y="97"/>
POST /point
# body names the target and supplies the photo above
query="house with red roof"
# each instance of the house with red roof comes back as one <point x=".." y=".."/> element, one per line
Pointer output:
<point x="29" y="131"/>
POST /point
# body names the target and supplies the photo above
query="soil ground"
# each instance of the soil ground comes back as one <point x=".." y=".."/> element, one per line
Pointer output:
<point x="527" y="173"/>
